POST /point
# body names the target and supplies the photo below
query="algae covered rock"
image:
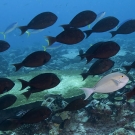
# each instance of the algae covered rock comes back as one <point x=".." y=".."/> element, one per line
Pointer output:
<point x="100" y="96"/>
<point x="118" y="98"/>
<point x="120" y="131"/>
<point x="130" y="126"/>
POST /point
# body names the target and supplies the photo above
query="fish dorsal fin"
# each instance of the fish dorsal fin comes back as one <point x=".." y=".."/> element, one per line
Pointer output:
<point x="116" y="81"/>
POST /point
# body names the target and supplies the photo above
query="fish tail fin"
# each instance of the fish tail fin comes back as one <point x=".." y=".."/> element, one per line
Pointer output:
<point x="88" y="33"/>
<point x="87" y="91"/>
<point x="27" y="94"/>
<point x="113" y="33"/>
<point x="65" y="26"/>
<point x="4" y="35"/>
<point x="24" y="84"/>
<point x="44" y="47"/>
<point x="28" y="33"/>
<point x="17" y="66"/>
<point x="81" y="54"/>
<point x="84" y="75"/>
<point x="51" y="40"/>
<point x="89" y="26"/>
<point x="127" y="68"/>
<point x="23" y="29"/>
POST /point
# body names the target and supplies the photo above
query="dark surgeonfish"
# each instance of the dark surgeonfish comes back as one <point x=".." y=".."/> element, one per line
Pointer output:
<point x="125" y="28"/>
<point x="7" y="100"/>
<point x="128" y="68"/>
<point x="82" y="19"/>
<point x="4" y="45"/>
<point x="41" y="21"/>
<point x="39" y="83"/>
<point x="35" y="115"/>
<point x="6" y="85"/>
<point x="69" y="36"/>
<point x="9" y="124"/>
<point x="103" y="25"/>
<point x="130" y="94"/>
<point x="99" y="67"/>
<point x="101" y="50"/>
<point x="74" y="105"/>
<point x="35" y="59"/>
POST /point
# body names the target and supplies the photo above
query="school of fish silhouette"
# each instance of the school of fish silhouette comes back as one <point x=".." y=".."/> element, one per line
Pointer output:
<point x="71" y="35"/>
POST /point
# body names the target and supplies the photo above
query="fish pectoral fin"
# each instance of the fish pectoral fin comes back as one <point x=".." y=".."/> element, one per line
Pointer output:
<point x="116" y="81"/>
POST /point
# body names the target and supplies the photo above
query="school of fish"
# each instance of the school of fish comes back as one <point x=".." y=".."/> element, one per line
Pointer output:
<point x="70" y="35"/>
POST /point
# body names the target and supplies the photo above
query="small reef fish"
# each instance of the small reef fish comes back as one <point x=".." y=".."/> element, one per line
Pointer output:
<point x="99" y="67"/>
<point x="41" y="21"/>
<point x="35" y="115"/>
<point x="74" y="105"/>
<point x="4" y="45"/>
<point x="9" y="29"/>
<point x="82" y="19"/>
<point x="39" y="83"/>
<point x="103" y="25"/>
<point x="52" y="47"/>
<point x="6" y="85"/>
<point x="101" y="50"/>
<point x="109" y="83"/>
<point x="100" y="15"/>
<point x="128" y="67"/>
<point x="69" y="36"/>
<point x="35" y="59"/>
<point x="125" y="28"/>
<point x="7" y="100"/>
<point x="33" y="32"/>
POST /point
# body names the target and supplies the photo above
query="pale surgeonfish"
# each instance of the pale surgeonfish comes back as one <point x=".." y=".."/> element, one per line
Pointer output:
<point x="9" y="29"/>
<point x="33" y="32"/>
<point x="100" y="15"/>
<point x="109" y="83"/>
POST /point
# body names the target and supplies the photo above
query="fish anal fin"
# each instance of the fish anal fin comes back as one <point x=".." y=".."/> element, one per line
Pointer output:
<point x="65" y="26"/>
<point x="17" y="66"/>
<point x="88" y="33"/>
<point x="84" y="75"/>
<point x="89" y="58"/>
<point x="113" y="33"/>
<point x="24" y="84"/>
<point x="27" y="94"/>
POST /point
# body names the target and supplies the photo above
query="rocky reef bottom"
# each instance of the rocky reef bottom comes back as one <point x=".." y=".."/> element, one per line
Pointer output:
<point x="99" y="117"/>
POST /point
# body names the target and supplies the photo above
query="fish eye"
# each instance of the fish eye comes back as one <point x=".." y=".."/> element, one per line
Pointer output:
<point x="122" y="76"/>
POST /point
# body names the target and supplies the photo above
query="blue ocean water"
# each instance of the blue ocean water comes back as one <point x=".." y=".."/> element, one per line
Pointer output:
<point x="23" y="11"/>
